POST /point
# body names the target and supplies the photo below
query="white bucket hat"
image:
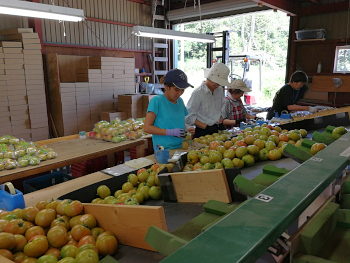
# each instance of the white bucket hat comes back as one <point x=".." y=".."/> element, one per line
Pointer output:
<point x="218" y="73"/>
<point x="239" y="84"/>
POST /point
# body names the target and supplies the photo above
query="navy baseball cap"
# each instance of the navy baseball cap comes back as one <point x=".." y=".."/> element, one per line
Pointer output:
<point x="178" y="78"/>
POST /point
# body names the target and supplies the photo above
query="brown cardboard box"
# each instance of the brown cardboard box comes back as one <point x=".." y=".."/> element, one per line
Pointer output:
<point x="13" y="56"/>
<point x="13" y="66"/>
<point x="22" y="107"/>
<point x="15" y="77"/>
<point x="130" y="98"/>
<point x="20" y="122"/>
<point x="40" y="105"/>
<point x="16" y="31"/>
<point x="37" y="111"/>
<point x="14" y="71"/>
<point x="31" y="41"/>
<point x="19" y="112"/>
<point x="2" y="83"/>
<point x="35" y="92"/>
<point x="34" y="72"/>
<point x="14" y="50"/>
<point x="32" y="51"/>
<point x="16" y="82"/>
<point x="4" y="113"/>
<point x="10" y="44"/>
<point x="22" y="117"/>
<point x="2" y="56"/>
<point x="17" y="102"/>
<point x="33" y="62"/>
<point x="35" y="83"/>
<point x="109" y="116"/>
<point x="35" y="77"/>
<point x="16" y="92"/>
<point x="42" y="115"/>
<point x="32" y="66"/>
<point x="32" y="46"/>
<point x="2" y="61"/>
<point x="22" y="36"/>
<point x="36" y="97"/>
<point x="38" y="125"/>
<point x="14" y="61"/>
<point x="17" y="97"/>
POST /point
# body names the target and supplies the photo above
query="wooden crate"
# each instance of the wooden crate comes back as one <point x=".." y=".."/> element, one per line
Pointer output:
<point x="201" y="186"/>
<point x="129" y="223"/>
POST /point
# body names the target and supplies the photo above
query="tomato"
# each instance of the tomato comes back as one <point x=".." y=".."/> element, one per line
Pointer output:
<point x="34" y="231"/>
<point x="28" y="224"/>
<point x="53" y="251"/>
<point x="141" y="171"/>
<point x="47" y="259"/>
<point x="126" y="187"/>
<point x="60" y="222"/>
<point x="3" y="224"/>
<point x="107" y="245"/>
<point x="19" y="257"/>
<point x="96" y="231"/>
<point x="69" y="251"/>
<point x="36" y="247"/>
<point x="74" y="221"/>
<point x="154" y="167"/>
<point x="57" y="236"/>
<point x="30" y="260"/>
<point x="79" y="231"/>
<point x="65" y="218"/>
<point x="103" y="191"/>
<point x="17" y="212"/>
<point x="6" y="253"/>
<point x="41" y="205"/>
<point x="9" y="217"/>
<point x="29" y="213"/>
<point x="52" y="204"/>
<point x="60" y="207"/>
<point x="7" y="241"/>
<point x="87" y="256"/>
<point x="73" y="243"/>
<point x="44" y="218"/>
<point x="88" y="220"/>
<point x="16" y="226"/>
<point x="21" y="241"/>
<point x="87" y="246"/>
<point x="106" y="233"/>
<point x="67" y="260"/>
<point x="73" y="208"/>
<point x="4" y="213"/>
<point x="86" y="240"/>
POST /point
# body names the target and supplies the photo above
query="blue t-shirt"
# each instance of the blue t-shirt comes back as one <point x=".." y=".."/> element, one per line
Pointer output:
<point x="168" y="116"/>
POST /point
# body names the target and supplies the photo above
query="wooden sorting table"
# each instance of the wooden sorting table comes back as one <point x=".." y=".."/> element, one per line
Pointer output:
<point x="71" y="150"/>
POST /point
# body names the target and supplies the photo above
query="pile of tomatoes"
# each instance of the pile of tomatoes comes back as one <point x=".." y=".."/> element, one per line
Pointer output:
<point x="51" y="232"/>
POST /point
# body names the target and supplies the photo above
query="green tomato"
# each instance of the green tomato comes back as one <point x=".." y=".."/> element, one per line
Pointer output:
<point x="23" y="163"/>
<point x="68" y="251"/>
<point x="87" y="256"/>
<point x="155" y="192"/>
<point x="67" y="260"/>
<point x="103" y="191"/>
<point x="47" y="259"/>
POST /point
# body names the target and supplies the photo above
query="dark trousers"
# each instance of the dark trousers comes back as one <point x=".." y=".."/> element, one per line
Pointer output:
<point x="270" y="114"/>
<point x="208" y="130"/>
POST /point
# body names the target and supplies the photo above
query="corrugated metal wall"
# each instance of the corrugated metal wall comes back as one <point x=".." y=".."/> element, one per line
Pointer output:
<point x="334" y="23"/>
<point x="113" y="36"/>
<point x="7" y="22"/>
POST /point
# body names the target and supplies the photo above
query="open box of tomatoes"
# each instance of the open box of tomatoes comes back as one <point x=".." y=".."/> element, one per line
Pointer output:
<point x="52" y="232"/>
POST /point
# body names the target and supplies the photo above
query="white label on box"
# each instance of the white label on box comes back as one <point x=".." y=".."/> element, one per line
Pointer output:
<point x="345" y="153"/>
<point x="264" y="198"/>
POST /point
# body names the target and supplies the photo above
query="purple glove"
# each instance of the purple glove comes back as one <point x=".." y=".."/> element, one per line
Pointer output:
<point x="180" y="133"/>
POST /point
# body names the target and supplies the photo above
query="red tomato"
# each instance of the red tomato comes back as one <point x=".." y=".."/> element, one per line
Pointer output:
<point x="54" y="252"/>
<point x="141" y="171"/>
<point x="79" y="231"/>
<point x="87" y="256"/>
<point x="28" y="224"/>
<point x="34" y="231"/>
<point x="6" y="253"/>
<point x="41" y="205"/>
<point x="69" y="251"/>
<point x="88" y="220"/>
<point x="52" y="205"/>
<point x="73" y="208"/>
<point x="3" y="224"/>
<point x="107" y="245"/>
<point x="95" y="232"/>
<point x="87" y="246"/>
<point x="154" y="167"/>
<point x="74" y="221"/>
<point x="21" y="241"/>
<point x="36" y="247"/>
<point x="29" y="213"/>
<point x="19" y="257"/>
<point x="30" y="260"/>
<point x="57" y="236"/>
<point x="16" y="226"/>
<point x="44" y="218"/>
<point x="106" y="233"/>
<point x="86" y="240"/>
<point x="60" y="207"/>
<point x="60" y="222"/>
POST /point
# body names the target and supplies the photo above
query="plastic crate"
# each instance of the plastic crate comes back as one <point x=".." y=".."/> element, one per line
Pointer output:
<point x="45" y="181"/>
<point x="119" y="158"/>
<point x="133" y="153"/>
<point x="89" y="166"/>
<point x="310" y="34"/>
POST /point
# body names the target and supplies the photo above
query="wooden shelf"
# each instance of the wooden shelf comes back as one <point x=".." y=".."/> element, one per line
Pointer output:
<point x="310" y="40"/>
<point x="143" y="74"/>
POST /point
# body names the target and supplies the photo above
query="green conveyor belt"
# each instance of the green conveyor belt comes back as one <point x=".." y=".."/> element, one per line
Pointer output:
<point x="246" y="233"/>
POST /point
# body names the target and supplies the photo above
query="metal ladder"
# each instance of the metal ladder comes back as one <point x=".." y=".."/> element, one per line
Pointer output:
<point x="159" y="45"/>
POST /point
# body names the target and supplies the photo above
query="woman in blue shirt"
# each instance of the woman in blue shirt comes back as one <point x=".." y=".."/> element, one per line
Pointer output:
<point x="165" y="118"/>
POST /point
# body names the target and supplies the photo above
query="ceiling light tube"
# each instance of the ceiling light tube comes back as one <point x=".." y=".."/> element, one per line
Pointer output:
<point x="143" y="31"/>
<point x="37" y="10"/>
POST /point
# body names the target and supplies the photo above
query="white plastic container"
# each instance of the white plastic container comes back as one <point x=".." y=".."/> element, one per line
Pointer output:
<point x="319" y="67"/>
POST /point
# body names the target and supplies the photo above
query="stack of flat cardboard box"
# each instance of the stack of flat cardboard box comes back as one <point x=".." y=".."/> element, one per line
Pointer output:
<point x="69" y="108"/>
<point x="22" y="83"/>
<point x="146" y="98"/>
<point x="83" y="106"/>
<point x="131" y="104"/>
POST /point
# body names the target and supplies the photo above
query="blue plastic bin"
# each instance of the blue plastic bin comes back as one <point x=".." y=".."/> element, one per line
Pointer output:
<point x="44" y="181"/>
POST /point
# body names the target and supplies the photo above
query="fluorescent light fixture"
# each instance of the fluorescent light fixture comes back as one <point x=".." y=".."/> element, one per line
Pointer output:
<point x="30" y="9"/>
<point x="143" y="31"/>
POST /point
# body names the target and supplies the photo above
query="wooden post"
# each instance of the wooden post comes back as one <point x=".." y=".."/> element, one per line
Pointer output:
<point x="140" y="150"/>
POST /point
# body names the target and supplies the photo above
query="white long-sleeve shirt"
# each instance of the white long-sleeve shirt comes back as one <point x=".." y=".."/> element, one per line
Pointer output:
<point x="205" y="106"/>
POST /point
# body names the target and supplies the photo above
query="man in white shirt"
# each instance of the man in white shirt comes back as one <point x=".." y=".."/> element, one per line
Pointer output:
<point x="204" y="106"/>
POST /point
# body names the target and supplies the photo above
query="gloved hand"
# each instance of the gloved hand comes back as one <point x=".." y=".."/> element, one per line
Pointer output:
<point x="222" y="127"/>
<point x="212" y="129"/>
<point x="240" y="120"/>
<point x="179" y="133"/>
<point x="312" y="109"/>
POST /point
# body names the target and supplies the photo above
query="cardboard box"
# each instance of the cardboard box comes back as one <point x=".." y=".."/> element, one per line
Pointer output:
<point x="2" y="56"/>
<point x="34" y="72"/>
<point x="40" y="131"/>
<point x="22" y="107"/>
<point x="32" y="51"/>
<point x="4" y="114"/>
<point x="35" y="97"/>
<point x="14" y="61"/>
<point x="35" y="83"/>
<point x="36" y="92"/>
<point x="2" y="61"/>
<point x="17" y="92"/>
<point x="15" y="118"/>
<point x="18" y="112"/>
<point x="14" y="71"/>
<point x="15" y="82"/>
<point x="39" y="105"/>
<point x="21" y="36"/>
<point x="31" y="41"/>
<point x="38" y="125"/>
<point x="11" y="44"/>
<point x="39" y="118"/>
<point x="15" y="31"/>
<point x="9" y="50"/>
<point x="31" y="66"/>
<point x="20" y="122"/>
<point x="32" y="46"/>
<point x="33" y="62"/>
<point x="37" y="111"/>
<point x="12" y="66"/>
<point x="82" y="85"/>
<point x="17" y="102"/>
<point x="35" y="77"/>
<point x="17" y="97"/>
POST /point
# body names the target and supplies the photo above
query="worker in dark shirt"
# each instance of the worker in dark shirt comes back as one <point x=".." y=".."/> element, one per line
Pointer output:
<point x="287" y="96"/>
